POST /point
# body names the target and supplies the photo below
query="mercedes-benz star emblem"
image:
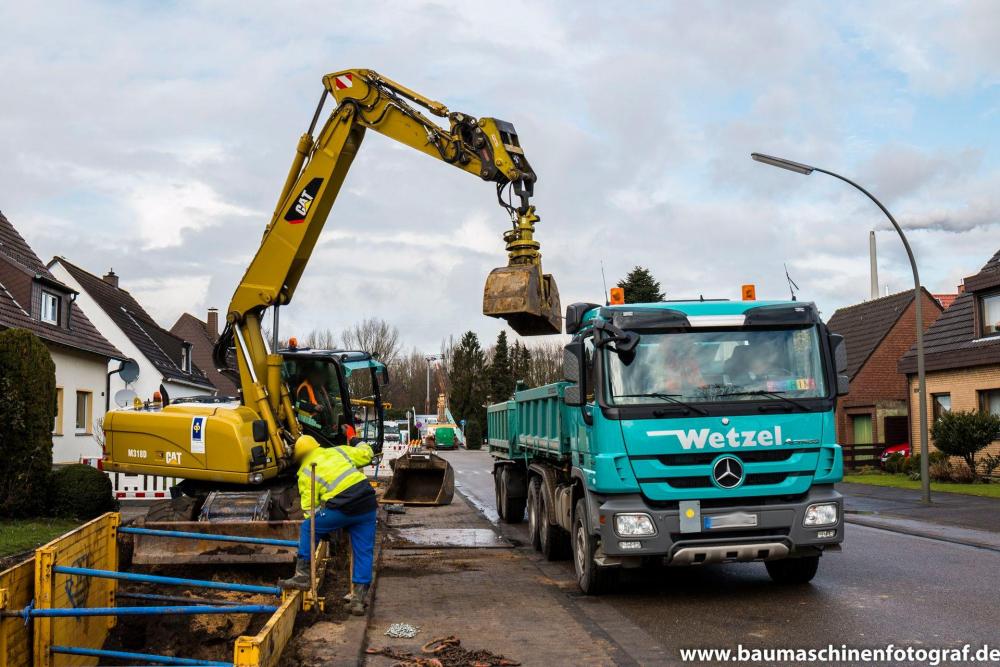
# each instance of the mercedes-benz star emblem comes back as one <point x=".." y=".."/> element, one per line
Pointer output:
<point x="728" y="472"/>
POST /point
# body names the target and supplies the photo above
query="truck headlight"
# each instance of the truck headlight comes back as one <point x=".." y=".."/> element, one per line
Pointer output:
<point x="634" y="525"/>
<point x="822" y="514"/>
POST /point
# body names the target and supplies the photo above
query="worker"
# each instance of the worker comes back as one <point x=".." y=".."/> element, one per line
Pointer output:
<point x="344" y="499"/>
<point x="311" y="393"/>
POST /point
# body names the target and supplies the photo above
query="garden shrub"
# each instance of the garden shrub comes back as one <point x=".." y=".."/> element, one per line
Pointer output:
<point x="27" y="415"/>
<point x="80" y="492"/>
<point x="965" y="434"/>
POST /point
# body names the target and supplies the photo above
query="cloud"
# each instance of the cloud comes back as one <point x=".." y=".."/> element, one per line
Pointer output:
<point x="155" y="138"/>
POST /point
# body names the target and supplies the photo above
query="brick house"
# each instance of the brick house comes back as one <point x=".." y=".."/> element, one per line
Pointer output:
<point x="962" y="353"/>
<point x="32" y="298"/>
<point x="877" y="333"/>
<point x="202" y="336"/>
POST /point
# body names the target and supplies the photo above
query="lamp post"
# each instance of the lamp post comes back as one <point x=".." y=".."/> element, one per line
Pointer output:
<point x="427" y="402"/>
<point x="806" y="170"/>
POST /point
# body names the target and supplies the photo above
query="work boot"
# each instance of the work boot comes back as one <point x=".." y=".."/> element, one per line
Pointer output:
<point x="301" y="580"/>
<point x="357" y="606"/>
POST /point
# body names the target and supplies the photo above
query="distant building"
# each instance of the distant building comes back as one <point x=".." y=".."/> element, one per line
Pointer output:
<point x="32" y="298"/>
<point x="877" y="333"/>
<point x="962" y="353"/>
<point x="202" y="336"/>
<point x="163" y="358"/>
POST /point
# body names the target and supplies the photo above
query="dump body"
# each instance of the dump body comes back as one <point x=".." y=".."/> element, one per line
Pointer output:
<point x="723" y="471"/>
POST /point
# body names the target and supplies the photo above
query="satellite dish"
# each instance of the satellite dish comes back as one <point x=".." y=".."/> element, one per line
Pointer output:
<point x="129" y="371"/>
<point x="124" y="397"/>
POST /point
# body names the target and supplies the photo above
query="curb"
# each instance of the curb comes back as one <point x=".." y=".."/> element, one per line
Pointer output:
<point x="362" y="641"/>
<point x="964" y="536"/>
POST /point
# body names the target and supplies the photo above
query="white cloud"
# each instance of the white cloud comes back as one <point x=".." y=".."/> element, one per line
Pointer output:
<point x="156" y="138"/>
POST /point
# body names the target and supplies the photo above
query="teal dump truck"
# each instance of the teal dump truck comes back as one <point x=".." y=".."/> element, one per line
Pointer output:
<point x="684" y="433"/>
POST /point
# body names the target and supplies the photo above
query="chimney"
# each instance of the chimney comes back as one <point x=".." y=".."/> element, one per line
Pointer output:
<point x="213" y="324"/>
<point x="111" y="278"/>
<point x="874" y="264"/>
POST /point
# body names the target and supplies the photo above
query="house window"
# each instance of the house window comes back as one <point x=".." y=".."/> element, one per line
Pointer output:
<point x="84" y="406"/>
<point x="989" y="314"/>
<point x="186" y="358"/>
<point x="989" y="401"/>
<point x="50" y="308"/>
<point x="862" y="428"/>
<point x="57" y="427"/>
<point x="941" y="404"/>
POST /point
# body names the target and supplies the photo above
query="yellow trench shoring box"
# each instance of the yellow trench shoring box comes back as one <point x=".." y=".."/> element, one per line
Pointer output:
<point x="17" y="589"/>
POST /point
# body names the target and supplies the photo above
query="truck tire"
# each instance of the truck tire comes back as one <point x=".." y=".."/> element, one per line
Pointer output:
<point x="513" y="508"/>
<point x="497" y="495"/>
<point x="553" y="541"/>
<point x="534" y="512"/>
<point x="592" y="579"/>
<point x="792" y="570"/>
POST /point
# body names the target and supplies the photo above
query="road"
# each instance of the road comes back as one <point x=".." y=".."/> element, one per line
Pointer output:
<point x="883" y="588"/>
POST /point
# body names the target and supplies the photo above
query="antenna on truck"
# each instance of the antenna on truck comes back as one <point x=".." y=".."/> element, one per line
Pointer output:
<point x="605" y="281"/>
<point x="792" y="287"/>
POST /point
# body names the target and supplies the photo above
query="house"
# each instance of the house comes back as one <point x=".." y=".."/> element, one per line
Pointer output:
<point x="202" y="336"/>
<point x="164" y="359"/>
<point x="32" y="298"/>
<point x="877" y="333"/>
<point x="962" y="352"/>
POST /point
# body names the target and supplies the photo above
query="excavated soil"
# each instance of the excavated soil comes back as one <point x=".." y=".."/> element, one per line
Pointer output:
<point x="211" y="637"/>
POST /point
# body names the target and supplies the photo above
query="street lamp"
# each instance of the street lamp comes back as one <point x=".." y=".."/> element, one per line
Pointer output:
<point x="429" y="358"/>
<point x="805" y="170"/>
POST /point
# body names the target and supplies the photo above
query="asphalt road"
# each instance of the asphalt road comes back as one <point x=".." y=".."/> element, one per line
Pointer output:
<point x="883" y="588"/>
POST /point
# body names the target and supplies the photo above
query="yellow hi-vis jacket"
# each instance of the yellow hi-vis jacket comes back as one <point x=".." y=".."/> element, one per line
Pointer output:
<point x="336" y="471"/>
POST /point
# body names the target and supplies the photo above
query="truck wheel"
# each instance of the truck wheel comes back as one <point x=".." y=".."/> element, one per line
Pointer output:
<point x="592" y="579"/>
<point x="792" y="570"/>
<point x="552" y="540"/>
<point x="497" y="493"/>
<point x="534" y="516"/>
<point x="513" y="508"/>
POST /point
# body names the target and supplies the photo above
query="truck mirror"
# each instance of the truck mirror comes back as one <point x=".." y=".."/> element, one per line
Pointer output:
<point x="839" y="352"/>
<point x="573" y="361"/>
<point x="385" y="376"/>
<point x="572" y="396"/>
<point x="843" y="385"/>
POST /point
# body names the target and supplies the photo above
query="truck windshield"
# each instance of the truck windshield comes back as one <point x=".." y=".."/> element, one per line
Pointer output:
<point x="716" y="366"/>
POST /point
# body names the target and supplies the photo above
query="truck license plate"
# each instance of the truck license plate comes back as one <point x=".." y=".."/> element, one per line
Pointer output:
<point x="733" y="520"/>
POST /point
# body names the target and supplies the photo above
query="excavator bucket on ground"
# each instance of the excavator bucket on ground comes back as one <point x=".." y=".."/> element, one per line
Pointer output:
<point x="527" y="299"/>
<point x="420" y="478"/>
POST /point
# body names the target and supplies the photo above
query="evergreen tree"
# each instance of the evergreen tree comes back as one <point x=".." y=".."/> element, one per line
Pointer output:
<point x="27" y="413"/>
<point x="467" y="382"/>
<point x="520" y="363"/>
<point x="501" y="377"/>
<point x="640" y="286"/>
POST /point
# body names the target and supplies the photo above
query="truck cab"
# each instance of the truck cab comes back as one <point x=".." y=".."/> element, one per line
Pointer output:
<point x="685" y="433"/>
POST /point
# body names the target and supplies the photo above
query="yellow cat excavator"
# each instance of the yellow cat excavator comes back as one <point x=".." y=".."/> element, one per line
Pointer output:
<point x="248" y="442"/>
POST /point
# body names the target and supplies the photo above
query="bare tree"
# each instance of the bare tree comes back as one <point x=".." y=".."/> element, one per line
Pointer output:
<point x="323" y="339"/>
<point x="376" y="337"/>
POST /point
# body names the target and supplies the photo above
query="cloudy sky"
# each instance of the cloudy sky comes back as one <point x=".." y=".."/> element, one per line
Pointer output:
<point x="154" y="137"/>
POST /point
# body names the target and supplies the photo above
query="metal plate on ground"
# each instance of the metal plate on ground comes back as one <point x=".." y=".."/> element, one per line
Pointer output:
<point x="453" y="538"/>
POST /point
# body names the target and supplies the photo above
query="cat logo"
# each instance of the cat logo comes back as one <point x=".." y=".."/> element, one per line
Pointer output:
<point x="173" y="458"/>
<point x="300" y="207"/>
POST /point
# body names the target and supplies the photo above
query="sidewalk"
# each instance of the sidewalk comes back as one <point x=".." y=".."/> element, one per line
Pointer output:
<point x="951" y="517"/>
<point x="491" y="597"/>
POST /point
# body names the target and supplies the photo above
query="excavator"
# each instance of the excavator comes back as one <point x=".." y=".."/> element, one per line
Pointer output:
<point x="235" y="457"/>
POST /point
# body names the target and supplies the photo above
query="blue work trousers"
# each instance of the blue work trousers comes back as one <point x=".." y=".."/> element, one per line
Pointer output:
<point x="361" y="528"/>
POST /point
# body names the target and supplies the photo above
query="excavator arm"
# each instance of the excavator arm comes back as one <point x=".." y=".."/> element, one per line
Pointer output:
<point x="485" y="147"/>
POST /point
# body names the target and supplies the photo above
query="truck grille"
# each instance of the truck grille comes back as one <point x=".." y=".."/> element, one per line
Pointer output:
<point x="700" y="482"/>
<point x="705" y="458"/>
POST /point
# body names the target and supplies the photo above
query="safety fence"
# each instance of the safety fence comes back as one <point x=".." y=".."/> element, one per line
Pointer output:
<point x="57" y="608"/>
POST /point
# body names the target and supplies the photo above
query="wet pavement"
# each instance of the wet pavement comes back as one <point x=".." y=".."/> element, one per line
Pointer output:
<point x="883" y="588"/>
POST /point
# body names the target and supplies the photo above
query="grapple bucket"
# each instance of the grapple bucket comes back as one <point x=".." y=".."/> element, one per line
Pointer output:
<point x="421" y="478"/>
<point x="527" y="299"/>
